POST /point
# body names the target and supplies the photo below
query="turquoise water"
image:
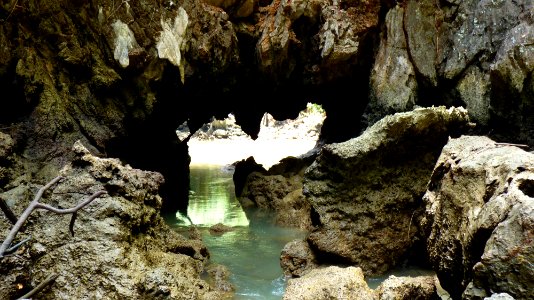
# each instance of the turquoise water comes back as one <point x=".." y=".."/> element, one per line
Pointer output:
<point x="252" y="250"/>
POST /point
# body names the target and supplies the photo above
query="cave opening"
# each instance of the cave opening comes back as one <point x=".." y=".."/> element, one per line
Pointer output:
<point x="217" y="147"/>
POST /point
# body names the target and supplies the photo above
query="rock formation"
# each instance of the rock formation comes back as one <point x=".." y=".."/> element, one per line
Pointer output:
<point x="279" y="189"/>
<point x="121" y="247"/>
<point x="367" y="191"/>
<point x="480" y="219"/>
<point x="330" y="283"/>
<point x="120" y="76"/>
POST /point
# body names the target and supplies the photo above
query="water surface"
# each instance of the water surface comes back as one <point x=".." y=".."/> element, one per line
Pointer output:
<point x="252" y="250"/>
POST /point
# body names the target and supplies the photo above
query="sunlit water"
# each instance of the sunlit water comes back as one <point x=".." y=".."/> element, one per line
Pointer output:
<point x="252" y="250"/>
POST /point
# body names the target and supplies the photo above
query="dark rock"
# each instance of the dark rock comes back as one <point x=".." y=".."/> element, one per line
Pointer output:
<point x="280" y="190"/>
<point x="297" y="258"/>
<point x="220" y="228"/>
<point x="242" y="170"/>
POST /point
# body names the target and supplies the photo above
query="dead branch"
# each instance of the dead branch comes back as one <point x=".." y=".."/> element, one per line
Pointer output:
<point x="17" y="245"/>
<point x="511" y="144"/>
<point x="41" y="286"/>
<point x="35" y="204"/>
<point x="8" y="212"/>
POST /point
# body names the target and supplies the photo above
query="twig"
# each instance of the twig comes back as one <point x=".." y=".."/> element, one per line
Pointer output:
<point x="41" y="286"/>
<point x="36" y="204"/>
<point x="8" y="212"/>
<point x="17" y="245"/>
<point x="510" y="144"/>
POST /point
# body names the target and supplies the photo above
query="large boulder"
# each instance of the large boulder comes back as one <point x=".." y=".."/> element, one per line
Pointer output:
<point x="120" y="248"/>
<point x="480" y="219"/>
<point x="366" y="192"/>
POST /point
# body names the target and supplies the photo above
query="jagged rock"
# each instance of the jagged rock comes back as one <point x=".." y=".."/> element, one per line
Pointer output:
<point x="512" y="84"/>
<point x="393" y="86"/>
<point x="330" y="283"/>
<point x="219" y="275"/>
<point x="280" y="190"/>
<point x="475" y="90"/>
<point x="121" y="246"/>
<point x="367" y="191"/>
<point x="476" y="34"/>
<point x="297" y="258"/>
<point x="421" y="23"/>
<point x="480" y="219"/>
<point x="421" y="287"/>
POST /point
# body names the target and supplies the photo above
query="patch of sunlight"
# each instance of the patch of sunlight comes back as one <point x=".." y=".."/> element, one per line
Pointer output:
<point x="222" y="142"/>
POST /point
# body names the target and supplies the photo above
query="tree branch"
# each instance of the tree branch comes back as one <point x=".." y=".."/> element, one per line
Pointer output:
<point x="40" y="286"/>
<point x="36" y="204"/>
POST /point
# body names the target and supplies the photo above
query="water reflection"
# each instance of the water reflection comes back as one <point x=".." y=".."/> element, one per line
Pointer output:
<point x="252" y="250"/>
<point x="212" y="198"/>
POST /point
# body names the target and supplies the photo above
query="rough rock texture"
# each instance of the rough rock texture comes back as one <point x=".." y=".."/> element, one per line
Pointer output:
<point x="393" y="86"/>
<point x="297" y="258"/>
<point x="472" y="53"/>
<point x="280" y="190"/>
<point x="219" y="276"/>
<point x="330" y="283"/>
<point x="421" y="287"/>
<point x="121" y="247"/>
<point x="367" y="191"/>
<point x="480" y="219"/>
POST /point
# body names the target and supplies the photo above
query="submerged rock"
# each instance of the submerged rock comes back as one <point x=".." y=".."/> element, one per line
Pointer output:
<point x="480" y="219"/>
<point x="367" y="191"/>
<point x="121" y="248"/>
<point x="330" y="283"/>
<point x="220" y="228"/>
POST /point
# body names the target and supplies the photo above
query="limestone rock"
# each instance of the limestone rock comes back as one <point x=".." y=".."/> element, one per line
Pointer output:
<point x="280" y="190"/>
<point x="121" y="246"/>
<point x="512" y="85"/>
<point x="393" y="86"/>
<point x="330" y="283"/>
<point x="480" y="219"/>
<point x="367" y="191"/>
<point x="421" y="287"/>
<point x="478" y="32"/>
<point x="297" y="258"/>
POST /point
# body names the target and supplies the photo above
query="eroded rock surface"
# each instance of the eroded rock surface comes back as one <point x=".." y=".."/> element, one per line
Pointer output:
<point x="421" y="287"/>
<point x="297" y="258"/>
<point x="330" y="283"/>
<point x="367" y="191"/>
<point x="480" y="219"/>
<point x="121" y="247"/>
<point x="280" y="190"/>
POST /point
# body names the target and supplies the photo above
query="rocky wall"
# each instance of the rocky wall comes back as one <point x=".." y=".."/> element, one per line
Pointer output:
<point x="366" y="192"/>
